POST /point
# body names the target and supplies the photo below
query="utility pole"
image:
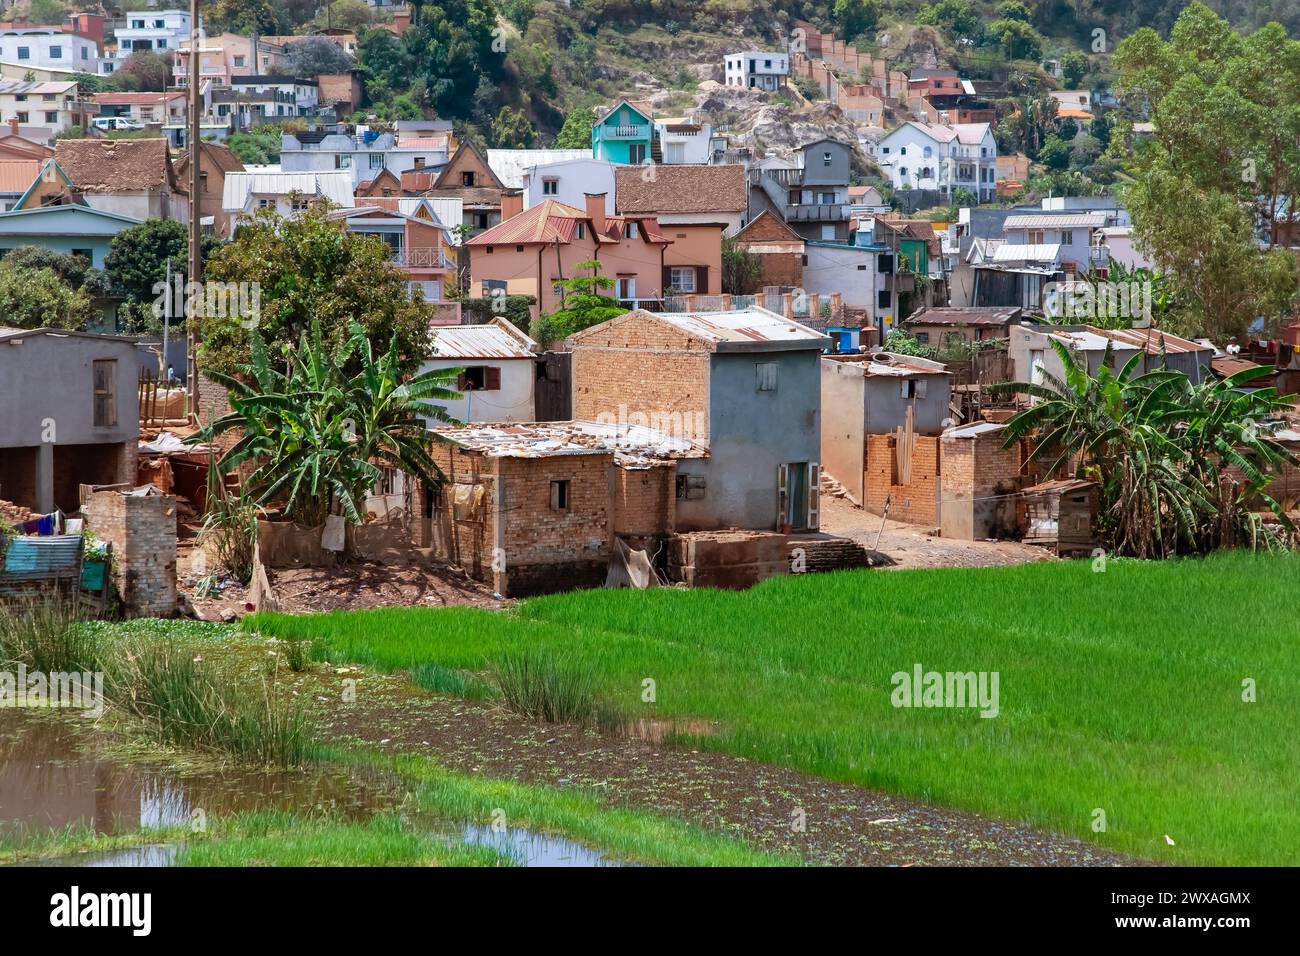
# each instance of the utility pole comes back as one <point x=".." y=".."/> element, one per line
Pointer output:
<point x="195" y="260"/>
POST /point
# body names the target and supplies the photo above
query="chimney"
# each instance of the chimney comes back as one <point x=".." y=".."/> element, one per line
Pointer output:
<point x="512" y="204"/>
<point x="13" y="125"/>
<point x="596" y="210"/>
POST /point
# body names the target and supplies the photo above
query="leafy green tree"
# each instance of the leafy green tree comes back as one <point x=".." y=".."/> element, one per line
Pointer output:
<point x="1018" y="40"/>
<point x="582" y="305"/>
<point x="512" y="130"/>
<point x="1224" y="161"/>
<point x="354" y="15"/>
<point x="74" y="270"/>
<point x="1161" y="449"/>
<point x="319" y="432"/>
<point x="1055" y="153"/>
<point x="742" y="270"/>
<point x="39" y="298"/>
<point x="145" y="72"/>
<point x="955" y="18"/>
<point x="316" y="56"/>
<point x="1074" y="67"/>
<point x="1014" y="10"/>
<point x="259" y="145"/>
<point x="856" y="18"/>
<point x="245" y="16"/>
<point x="576" y="131"/>
<point x="137" y="262"/>
<point x="309" y="268"/>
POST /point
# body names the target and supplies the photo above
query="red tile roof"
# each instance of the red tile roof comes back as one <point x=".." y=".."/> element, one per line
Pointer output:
<point x="680" y="189"/>
<point x="552" y="221"/>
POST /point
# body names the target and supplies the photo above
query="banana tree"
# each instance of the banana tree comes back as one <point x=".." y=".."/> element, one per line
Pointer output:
<point x="318" y="438"/>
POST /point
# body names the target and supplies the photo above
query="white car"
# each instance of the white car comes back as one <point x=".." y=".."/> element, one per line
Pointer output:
<point x="109" y="124"/>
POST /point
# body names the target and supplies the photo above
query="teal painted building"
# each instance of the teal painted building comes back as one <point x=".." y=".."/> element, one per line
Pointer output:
<point x="72" y="229"/>
<point x="624" y="135"/>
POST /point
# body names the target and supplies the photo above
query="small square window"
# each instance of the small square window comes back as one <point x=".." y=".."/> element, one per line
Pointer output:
<point x="560" y="495"/>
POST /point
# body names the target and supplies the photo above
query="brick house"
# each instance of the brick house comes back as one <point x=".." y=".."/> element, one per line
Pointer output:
<point x="779" y="248"/>
<point x="744" y="384"/>
<point x="71" y="415"/>
<point x="215" y="160"/>
<point x="130" y="177"/>
<point x="467" y="177"/>
<point x="528" y="253"/>
<point x="535" y="508"/>
<point x="696" y="206"/>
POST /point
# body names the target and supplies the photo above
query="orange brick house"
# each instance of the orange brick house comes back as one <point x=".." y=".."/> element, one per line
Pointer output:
<point x="780" y="251"/>
<point x="528" y="253"/>
<point x="696" y="206"/>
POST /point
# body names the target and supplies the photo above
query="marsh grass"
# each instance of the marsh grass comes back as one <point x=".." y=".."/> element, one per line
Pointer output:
<point x="546" y="684"/>
<point x="438" y="679"/>
<point x="297" y="654"/>
<point x="161" y="683"/>
<point x="47" y="636"/>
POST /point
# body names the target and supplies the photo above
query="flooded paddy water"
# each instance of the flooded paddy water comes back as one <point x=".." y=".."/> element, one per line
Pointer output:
<point x="52" y="778"/>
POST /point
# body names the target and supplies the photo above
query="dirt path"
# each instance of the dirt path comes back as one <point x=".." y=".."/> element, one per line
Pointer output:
<point x="908" y="546"/>
<point x="770" y="806"/>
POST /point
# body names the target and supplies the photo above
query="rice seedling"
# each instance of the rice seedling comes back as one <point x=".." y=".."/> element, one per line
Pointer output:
<point x="1121" y="690"/>
<point x="438" y="679"/>
<point x="549" y="686"/>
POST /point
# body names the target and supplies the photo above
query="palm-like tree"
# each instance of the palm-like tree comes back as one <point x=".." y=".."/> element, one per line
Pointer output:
<point x="319" y="437"/>
<point x="1180" y="465"/>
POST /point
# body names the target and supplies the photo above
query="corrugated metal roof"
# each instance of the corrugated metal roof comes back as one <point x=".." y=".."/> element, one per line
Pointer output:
<point x="1072" y="220"/>
<point x="497" y="339"/>
<point x="241" y="187"/>
<point x="16" y="175"/>
<point x="1150" y="339"/>
<point x="1027" y="252"/>
<point x="963" y="316"/>
<point x="744" y="325"/>
<point x="973" y="430"/>
<point x="511" y="164"/>
<point x="632" y="445"/>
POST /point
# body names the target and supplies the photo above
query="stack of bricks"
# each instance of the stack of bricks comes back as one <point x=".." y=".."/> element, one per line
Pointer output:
<point x="142" y="530"/>
<point x="917" y="501"/>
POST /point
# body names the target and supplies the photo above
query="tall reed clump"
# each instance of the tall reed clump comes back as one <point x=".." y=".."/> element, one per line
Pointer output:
<point x="165" y="686"/>
<point x="541" y="686"/>
<point x="47" y="636"/>
<point x="229" y="527"/>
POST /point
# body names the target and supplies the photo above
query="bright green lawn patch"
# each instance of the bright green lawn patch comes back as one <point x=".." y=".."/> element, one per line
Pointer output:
<point x="1119" y="690"/>
<point x="284" y="839"/>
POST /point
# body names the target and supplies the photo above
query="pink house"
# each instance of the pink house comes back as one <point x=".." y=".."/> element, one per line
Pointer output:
<point x="529" y="251"/>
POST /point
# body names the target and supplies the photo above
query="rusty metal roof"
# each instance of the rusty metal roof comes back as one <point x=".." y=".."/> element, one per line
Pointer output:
<point x="633" y="446"/>
<point x="1150" y="339"/>
<point x="744" y="327"/>
<point x="498" y="339"/>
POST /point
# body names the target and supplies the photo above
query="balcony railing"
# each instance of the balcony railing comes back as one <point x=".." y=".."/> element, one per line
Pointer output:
<point x="818" y="212"/>
<point x="634" y="131"/>
<point x="422" y="258"/>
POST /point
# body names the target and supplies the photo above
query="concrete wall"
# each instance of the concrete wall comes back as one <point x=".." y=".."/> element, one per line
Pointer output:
<point x="751" y="434"/>
<point x="849" y="270"/>
<point x="843" y="448"/>
<point x="815" y="170"/>
<point x="574" y="178"/>
<point x="886" y="406"/>
<point x="513" y="402"/>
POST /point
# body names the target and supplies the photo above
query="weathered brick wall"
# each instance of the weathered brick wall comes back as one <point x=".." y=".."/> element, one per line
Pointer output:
<point x="638" y="365"/>
<point x="467" y="542"/>
<point x="645" y="501"/>
<point x="214" y="402"/>
<point x="781" y="268"/>
<point x="549" y="550"/>
<point x="971" y="469"/>
<point x="915" y="502"/>
<point x="142" y="531"/>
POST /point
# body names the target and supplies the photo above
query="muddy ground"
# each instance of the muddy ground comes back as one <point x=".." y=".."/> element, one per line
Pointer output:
<point x="770" y="806"/>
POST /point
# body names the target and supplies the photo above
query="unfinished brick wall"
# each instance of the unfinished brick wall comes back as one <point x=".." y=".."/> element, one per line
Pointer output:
<point x="917" y="501"/>
<point x="637" y="364"/>
<point x="142" y="530"/>
<point x="545" y="549"/>
<point x="468" y="541"/>
<point x="971" y="470"/>
<point x="214" y="403"/>
<point x="645" y="501"/>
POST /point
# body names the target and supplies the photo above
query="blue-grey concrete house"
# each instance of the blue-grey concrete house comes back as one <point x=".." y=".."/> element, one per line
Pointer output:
<point x="70" y="228"/>
<point x="745" y="384"/>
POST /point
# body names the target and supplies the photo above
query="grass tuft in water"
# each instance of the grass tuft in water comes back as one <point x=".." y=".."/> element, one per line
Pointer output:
<point x="46" y="636"/>
<point x="437" y="679"/>
<point x="544" y="685"/>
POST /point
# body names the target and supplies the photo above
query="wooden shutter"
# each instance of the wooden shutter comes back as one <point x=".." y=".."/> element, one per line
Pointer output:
<point x="460" y="382"/>
<point x="702" y="280"/>
<point x="492" y="378"/>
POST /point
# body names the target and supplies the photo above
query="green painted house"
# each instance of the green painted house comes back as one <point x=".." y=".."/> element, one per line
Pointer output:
<point x="624" y="135"/>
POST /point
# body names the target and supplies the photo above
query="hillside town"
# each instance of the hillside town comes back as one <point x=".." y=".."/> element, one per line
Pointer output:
<point x="274" y="343"/>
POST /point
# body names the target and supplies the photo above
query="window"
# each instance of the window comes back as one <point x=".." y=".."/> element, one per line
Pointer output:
<point x="682" y="278"/>
<point x="85" y="54"/>
<point x="489" y="250"/>
<point x="299" y="204"/>
<point x="826" y="159"/>
<point x="882" y="299"/>
<point x="376" y="160"/>
<point x="24" y="53"/>
<point x="159" y="24"/>
<point x="1067" y="237"/>
<point x="560" y="495"/>
<point x="580" y="231"/>
<point x="56" y="53"/>
<point x="51" y="116"/>
<point x="902" y="151"/>
<point x="636" y="153"/>
<point x="627" y="287"/>
<point x="467" y="179"/>
<point x="104" y="373"/>
<point x="162" y="44"/>
<point x="137" y="24"/>
<point x="203" y="181"/>
<point x="239" y="61"/>
<point x="912" y="388"/>
<point x="23" y="118"/>
<point x="1034" y="237"/>
<point x="550" y="187"/>
<point x="927" y="152"/>
<point x="265" y="203"/>
<point x="765" y="376"/>
<point x="629" y="230"/>
<point x="479" y="378"/>
<point x="923" y="338"/>
<point x="85" y="254"/>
